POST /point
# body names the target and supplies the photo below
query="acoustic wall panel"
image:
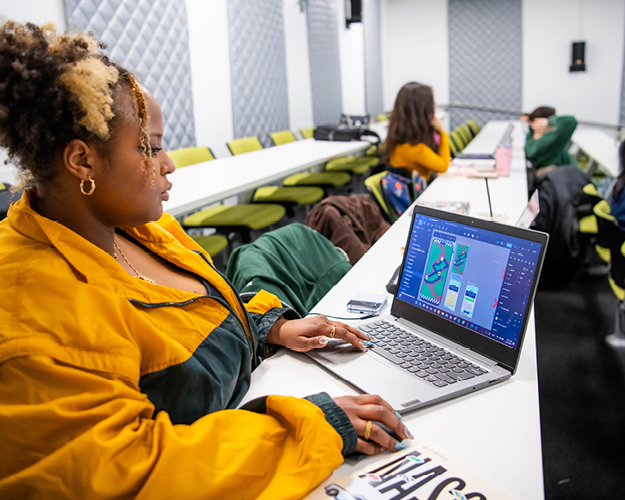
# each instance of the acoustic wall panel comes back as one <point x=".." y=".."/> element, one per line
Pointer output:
<point x="258" y="68"/>
<point x="151" y="39"/>
<point x="622" y="113"/>
<point x="485" y="57"/>
<point x="373" y="58"/>
<point x="325" y="62"/>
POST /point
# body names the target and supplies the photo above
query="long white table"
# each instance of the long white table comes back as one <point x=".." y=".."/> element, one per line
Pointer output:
<point x="204" y="183"/>
<point x="494" y="431"/>
<point x="600" y="147"/>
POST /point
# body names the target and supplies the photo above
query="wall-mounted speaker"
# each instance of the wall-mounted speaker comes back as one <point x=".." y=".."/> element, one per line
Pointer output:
<point x="353" y="12"/>
<point x="577" y="61"/>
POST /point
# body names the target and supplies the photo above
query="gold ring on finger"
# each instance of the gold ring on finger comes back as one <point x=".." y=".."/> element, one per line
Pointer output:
<point x="333" y="332"/>
<point x="367" y="434"/>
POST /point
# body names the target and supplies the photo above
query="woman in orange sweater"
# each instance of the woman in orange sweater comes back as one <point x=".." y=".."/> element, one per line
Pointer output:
<point x="411" y="143"/>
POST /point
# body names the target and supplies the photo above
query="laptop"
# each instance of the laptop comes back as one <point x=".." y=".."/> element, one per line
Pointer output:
<point x="458" y="317"/>
<point x="530" y="212"/>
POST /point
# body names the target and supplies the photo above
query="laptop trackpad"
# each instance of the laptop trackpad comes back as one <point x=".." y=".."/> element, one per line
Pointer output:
<point x="373" y="374"/>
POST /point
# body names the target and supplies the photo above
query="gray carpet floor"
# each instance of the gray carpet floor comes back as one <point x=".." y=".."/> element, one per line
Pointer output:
<point x="581" y="384"/>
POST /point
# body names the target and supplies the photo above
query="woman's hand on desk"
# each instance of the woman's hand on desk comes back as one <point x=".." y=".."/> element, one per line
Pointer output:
<point x="369" y="408"/>
<point x="312" y="333"/>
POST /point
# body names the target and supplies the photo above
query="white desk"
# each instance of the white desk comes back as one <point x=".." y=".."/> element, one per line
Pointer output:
<point x="486" y="142"/>
<point x="600" y="147"/>
<point x="494" y="431"/>
<point x="204" y="183"/>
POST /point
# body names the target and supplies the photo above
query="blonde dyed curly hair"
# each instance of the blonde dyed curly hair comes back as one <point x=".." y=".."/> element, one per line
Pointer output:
<point x="55" y="88"/>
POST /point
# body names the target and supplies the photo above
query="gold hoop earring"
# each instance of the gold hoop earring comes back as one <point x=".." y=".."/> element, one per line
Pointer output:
<point x="82" y="187"/>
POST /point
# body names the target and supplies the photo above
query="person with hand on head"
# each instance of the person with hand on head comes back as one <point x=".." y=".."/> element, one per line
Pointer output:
<point x="548" y="138"/>
<point x="124" y="353"/>
<point x="411" y="142"/>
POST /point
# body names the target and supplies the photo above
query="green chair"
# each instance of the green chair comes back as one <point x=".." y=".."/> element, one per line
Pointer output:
<point x="244" y="145"/>
<point x="241" y="219"/>
<point x="453" y="149"/>
<point x="288" y="197"/>
<point x="473" y="127"/>
<point x="374" y="186"/>
<point x="603" y="220"/>
<point x="612" y="237"/>
<point x="295" y="263"/>
<point x="307" y="133"/>
<point x="464" y="132"/>
<point x="320" y="179"/>
<point x="212" y="243"/>
<point x="227" y="219"/>
<point x="457" y="140"/>
<point x="358" y="165"/>
<point x="190" y="156"/>
<point x="282" y="137"/>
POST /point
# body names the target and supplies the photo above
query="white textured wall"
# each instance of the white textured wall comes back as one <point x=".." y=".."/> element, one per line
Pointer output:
<point x="297" y="66"/>
<point x="38" y="12"/>
<point x="352" y="51"/>
<point x="414" y="47"/>
<point x="34" y="11"/>
<point x="210" y="72"/>
<point x="549" y="28"/>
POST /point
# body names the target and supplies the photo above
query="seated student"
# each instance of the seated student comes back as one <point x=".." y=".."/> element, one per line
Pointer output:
<point x="617" y="203"/>
<point x="411" y="141"/>
<point x="123" y="352"/>
<point x="547" y="140"/>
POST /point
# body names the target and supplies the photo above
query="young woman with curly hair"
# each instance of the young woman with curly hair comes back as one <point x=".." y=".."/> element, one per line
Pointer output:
<point x="123" y="352"/>
<point x="411" y="143"/>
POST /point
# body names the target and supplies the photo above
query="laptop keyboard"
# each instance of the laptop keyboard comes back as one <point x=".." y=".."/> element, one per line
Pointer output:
<point x="431" y="363"/>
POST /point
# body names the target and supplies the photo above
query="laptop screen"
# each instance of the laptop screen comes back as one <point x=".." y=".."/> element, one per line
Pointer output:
<point x="476" y="275"/>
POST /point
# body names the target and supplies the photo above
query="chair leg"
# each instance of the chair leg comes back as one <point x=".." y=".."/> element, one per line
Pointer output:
<point x="617" y="339"/>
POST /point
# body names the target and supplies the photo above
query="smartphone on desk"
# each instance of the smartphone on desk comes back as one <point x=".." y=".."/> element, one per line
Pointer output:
<point x="367" y="303"/>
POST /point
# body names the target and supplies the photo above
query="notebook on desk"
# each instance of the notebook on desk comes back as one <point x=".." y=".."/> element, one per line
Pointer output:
<point x="459" y="314"/>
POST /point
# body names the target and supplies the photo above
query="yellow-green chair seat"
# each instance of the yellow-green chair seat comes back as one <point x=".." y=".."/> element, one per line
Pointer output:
<point x="464" y="132"/>
<point x="453" y="149"/>
<point x="603" y="253"/>
<point x="190" y="156"/>
<point x="244" y="145"/>
<point x="318" y="179"/>
<point x="588" y="225"/>
<point x="296" y="195"/>
<point x="591" y="190"/>
<point x="602" y="209"/>
<point x="473" y="127"/>
<point x="282" y="137"/>
<point x="213" y="243"/>
<point x="307" y="133"/>
<point x="618" y="291"/>
<point x="458" y="140"/>
<point x="250" y="216"/>
<point x="355" y="165"/>
<point x="382" y="117"/>
<point x="374" y="186"/>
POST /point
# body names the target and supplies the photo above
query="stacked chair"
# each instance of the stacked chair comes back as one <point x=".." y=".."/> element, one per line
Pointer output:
<point x="307" y="133"/>
<point x="323" y="180"/>
<point x="289" y="196"/>
<point x="612" y="238"/>
<point x="237" y="219"/>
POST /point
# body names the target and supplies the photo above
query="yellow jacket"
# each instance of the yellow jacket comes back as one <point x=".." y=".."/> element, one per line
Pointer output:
<point x="85" y="349"/>
<point x="421" y="158"/>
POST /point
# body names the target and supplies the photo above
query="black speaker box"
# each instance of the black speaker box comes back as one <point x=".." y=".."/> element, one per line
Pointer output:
<point x="577" y="62"/>
<point x="353" y="12"/>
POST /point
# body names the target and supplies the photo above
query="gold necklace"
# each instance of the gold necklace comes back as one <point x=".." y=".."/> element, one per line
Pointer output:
<point x="139" y="275"/>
